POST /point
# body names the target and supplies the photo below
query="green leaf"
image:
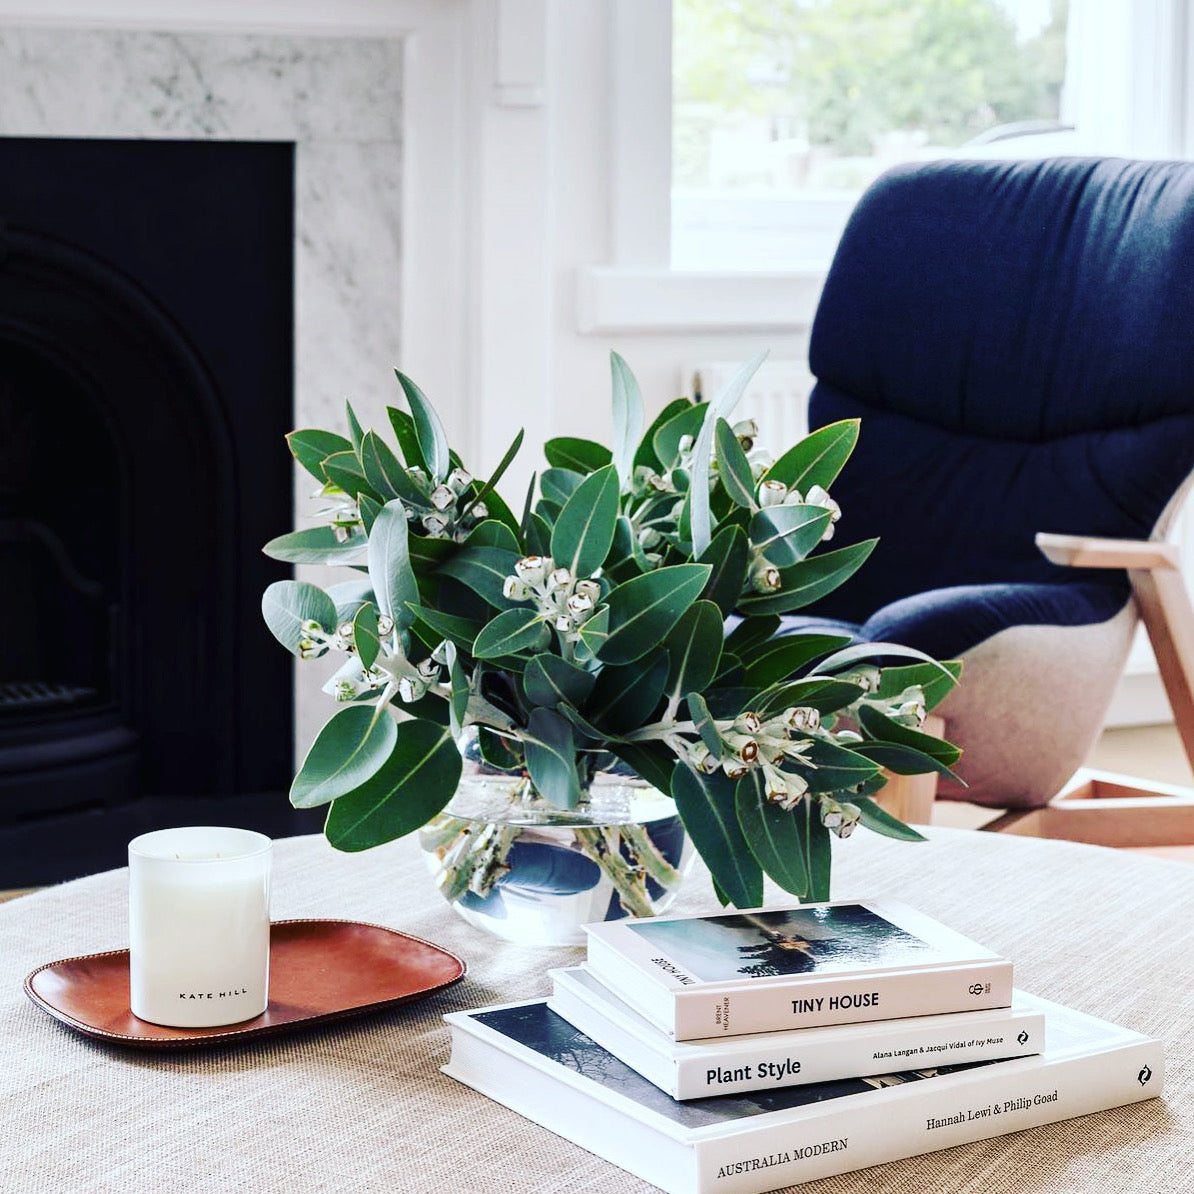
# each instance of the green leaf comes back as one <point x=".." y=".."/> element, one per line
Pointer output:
<point x="482" y="569"/>
<point x="550" y="750"/>
<point x="369" y="510"/>
<point x="884" y="729"/>
<point x="773" y="834"/>
<point x="665" y="442"/>
<point x="311" y="447"/>
<point x="786" y="534"/>
<point x="728" y="556"/>
<point x="579" y="455"/>
<point x="849" y="656"/>
<point x="287" y="604"/>
<point x="835" y="768"/>
<point x="364" y="634"/>
<point x="510" y="632"/>
<point x="345" y="472"/>
<point x="584" y="531"/>
<point x="750" y="633"/>
<point x="706" y="806"/>
<point x="487" y="493"/>
<point x="698" y="711"/>
<point x="879" y="820"/>
<point x="628" y="417"/>
<point x="736" y="477"/>
<point x="349" y="596"/>
<point x="818" y="857"/>
<point x="492" y="533"/>
<point x="651" y="762"/>
<point x="787" y="654"/>
<point x="548" y="680"/>
<point x="811" y="579"/>
<point x="818" y="458"/>
<point x="389" y="563"/>
<point x="387" y="474"/>
<point x="317" y="545"/>
<point x="928" y="677"/>
<point x="429" y="431"/>
<point x="624" y="697"/>
<point x="433" y="627"/>
<point x="720" y="408"/>
<point x="350" y="749"/>
<point x="459" y="684"/>
<point x="593" y="634"/>
<point x="404" y="433"/>
<point x="905" y="760"/>
<point x="538" y="534"/>
<point x="694" y="649"/>
<point x="557" y="485"/>
<point x="412" y="786"/>
<point x="354" y="427"/>
<point x="644" y="609"/>
<point x="645" y="456"/>
<point x="822" y="693"/>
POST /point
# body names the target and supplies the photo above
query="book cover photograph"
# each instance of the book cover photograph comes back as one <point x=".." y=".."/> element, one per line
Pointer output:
<point x="827" y="939"/>
<point x="538" y="1064"/>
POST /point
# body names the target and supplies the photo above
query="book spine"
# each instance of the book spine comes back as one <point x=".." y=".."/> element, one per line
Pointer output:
<point x="853" y="1053"/>
<point x="921" y="1117"/>
<point x="810" y="1003"/>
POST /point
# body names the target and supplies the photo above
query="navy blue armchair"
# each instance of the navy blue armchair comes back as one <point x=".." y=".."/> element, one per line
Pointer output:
<point x="1018" y="340"/>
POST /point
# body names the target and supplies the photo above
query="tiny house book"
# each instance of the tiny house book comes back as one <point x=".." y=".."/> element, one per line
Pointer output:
<point x="767" y="969"/>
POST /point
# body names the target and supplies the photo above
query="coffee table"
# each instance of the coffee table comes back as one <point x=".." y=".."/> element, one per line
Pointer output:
<point x="361" y="1107"/>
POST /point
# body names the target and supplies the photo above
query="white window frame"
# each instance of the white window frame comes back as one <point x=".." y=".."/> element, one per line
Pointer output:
<point x="638" y="291"/>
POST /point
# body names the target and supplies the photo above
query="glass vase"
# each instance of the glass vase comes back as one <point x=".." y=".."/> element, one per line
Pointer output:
<point x="520" y="868"/>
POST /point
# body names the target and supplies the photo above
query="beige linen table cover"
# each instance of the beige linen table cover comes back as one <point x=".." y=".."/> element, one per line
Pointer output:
<point x="361" y="1107"/>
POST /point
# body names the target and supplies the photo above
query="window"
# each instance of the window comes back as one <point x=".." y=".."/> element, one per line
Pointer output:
<point x="784" y="110"/>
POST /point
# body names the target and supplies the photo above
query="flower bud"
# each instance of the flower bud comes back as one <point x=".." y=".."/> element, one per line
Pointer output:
<point x="411" y="689"/>
<point x="385" y="625"/>
<point x="514" y="589"/>
<point x="429" y="670"/>
<point x="820" y="497"/>
<point x="747" y="749"/>
<point x="746" y="427"/>
<point x="685" y="444"/>
<point x="648" y="538"/>
<point x="765" y="577"/>
<point x="748" y="723"/>
<point x="733" y="768"/>
<point x="531" y="569"/>
<point x="435" y="525"/>
<point x="772" y="493"/>
<point x="803" y="719"/>
<point x="564" y="624"/>
<point x="579" y="606"/>
<point x="561" y="578"/>
<point x="478" y="512"/>
<point x="590" y="589"/>
<point x="459" y="480"/>
<point x="442" y="497"/>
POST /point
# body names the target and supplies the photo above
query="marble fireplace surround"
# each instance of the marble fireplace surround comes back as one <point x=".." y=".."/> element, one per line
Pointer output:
<point x="339" y="99"/>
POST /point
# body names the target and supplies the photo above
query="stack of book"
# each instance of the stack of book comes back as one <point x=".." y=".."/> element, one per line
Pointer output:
<point x="754" y="1050"/>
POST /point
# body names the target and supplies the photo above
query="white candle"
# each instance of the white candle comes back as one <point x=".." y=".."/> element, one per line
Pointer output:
<point x="199" y="926"/>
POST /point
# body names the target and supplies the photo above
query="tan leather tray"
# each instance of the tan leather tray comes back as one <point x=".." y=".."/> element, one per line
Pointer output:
<point x="320" y="970"/>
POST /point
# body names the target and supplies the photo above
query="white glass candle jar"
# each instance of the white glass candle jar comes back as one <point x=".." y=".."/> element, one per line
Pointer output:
<point x="199" y="926"/>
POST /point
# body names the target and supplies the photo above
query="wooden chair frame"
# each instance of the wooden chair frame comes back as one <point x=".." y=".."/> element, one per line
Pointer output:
<point x="1097" y="806"/>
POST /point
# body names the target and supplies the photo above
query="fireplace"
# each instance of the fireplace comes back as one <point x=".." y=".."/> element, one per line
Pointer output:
<point x="146" y="381"/>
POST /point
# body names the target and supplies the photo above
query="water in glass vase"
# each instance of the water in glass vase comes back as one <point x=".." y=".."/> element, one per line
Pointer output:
<point x="533" y="874"/>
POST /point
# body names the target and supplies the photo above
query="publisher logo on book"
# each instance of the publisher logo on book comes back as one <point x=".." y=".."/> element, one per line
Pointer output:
<point x="1144" y="1076"/>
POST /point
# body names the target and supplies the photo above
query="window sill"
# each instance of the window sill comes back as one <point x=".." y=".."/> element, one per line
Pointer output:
<point x="663" y="300"/>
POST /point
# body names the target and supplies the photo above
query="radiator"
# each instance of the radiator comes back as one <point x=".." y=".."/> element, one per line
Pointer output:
<point x="776" y="398"/>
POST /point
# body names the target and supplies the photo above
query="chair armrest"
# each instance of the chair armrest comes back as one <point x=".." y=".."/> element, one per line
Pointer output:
<point x="1084" y="551"/>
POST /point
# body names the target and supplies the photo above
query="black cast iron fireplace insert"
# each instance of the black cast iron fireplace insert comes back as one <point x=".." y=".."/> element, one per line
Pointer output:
<point x="146" y="381"/>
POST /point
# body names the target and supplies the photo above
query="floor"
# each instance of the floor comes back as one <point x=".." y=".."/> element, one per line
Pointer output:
<point x="1148" y="752"/>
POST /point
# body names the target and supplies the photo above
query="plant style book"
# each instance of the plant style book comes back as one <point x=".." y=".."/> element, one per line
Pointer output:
<point x="796" y="1057"/>
<point x="533" y="1061"/>
<point x="769" y="969"/>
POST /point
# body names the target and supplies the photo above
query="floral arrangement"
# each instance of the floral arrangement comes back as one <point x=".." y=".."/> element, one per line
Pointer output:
<point x="627" y="616"/>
